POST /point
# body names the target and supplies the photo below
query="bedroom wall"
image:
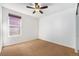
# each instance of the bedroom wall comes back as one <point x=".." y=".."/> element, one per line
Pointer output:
<point x="29" y="28"/>
<point x="59" y="28"/>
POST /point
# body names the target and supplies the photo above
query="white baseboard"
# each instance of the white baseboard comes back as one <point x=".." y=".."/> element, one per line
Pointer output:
<point x="76" y="51"/>
<point x="14" y="43"/>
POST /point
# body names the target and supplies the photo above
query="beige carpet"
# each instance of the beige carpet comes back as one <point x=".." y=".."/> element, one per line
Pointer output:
<point x="37" y="48"/>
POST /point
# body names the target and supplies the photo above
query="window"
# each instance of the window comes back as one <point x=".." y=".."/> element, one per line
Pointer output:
<point x="14" y="25"/>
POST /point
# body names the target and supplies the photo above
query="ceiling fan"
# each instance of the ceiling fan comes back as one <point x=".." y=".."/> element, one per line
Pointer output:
<point x="37" y="8"/>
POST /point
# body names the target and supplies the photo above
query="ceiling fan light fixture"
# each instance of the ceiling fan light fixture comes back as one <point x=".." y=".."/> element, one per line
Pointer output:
<point x="37" y="10"/>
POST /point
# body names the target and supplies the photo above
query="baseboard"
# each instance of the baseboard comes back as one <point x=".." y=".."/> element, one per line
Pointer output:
<point x="17" y="43"/>
<point x="75" y="50"/>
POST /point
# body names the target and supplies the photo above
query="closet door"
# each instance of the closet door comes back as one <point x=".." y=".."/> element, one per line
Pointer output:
<point x="0" y="28"/>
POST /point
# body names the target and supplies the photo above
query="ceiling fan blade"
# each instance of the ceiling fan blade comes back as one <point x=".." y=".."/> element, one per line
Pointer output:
<point x="44" y="7"/>
<point x="77" y="9"/>
<point x="29" y="7"/>
<point x="40" y="11"/>
<point x="34" y="12"/>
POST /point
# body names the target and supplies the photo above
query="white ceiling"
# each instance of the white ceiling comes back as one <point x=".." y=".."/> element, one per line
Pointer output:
<point x="52" y="8"/>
